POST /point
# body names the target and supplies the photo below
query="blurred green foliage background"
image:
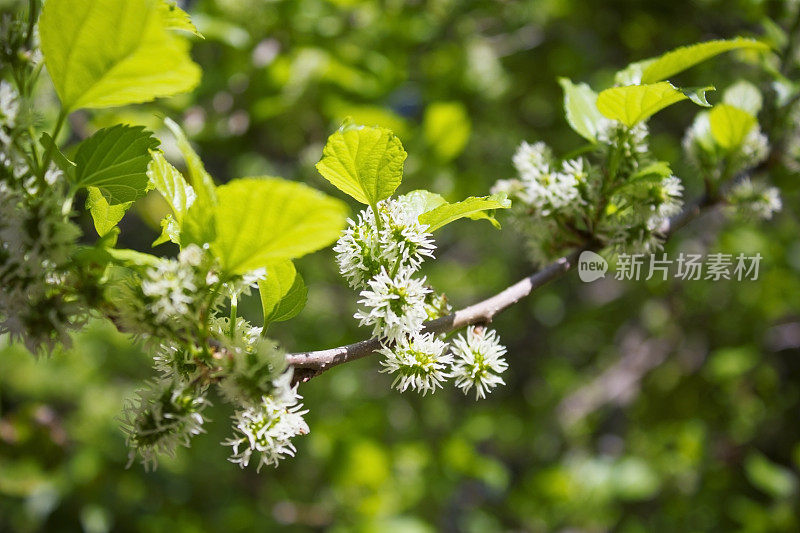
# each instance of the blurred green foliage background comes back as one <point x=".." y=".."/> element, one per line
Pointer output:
<point x="647" y="406"/>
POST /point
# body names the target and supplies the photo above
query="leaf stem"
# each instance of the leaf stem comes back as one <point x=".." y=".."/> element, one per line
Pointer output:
<point x="375" y="212"/>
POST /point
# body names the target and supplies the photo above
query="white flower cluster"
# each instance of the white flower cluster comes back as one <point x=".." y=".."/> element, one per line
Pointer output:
<point x="400" y="244"/>
<point x="266" y="429"/>
<point x="382" y="261"/>
<point x="702" y="151"/>
<point x="562" y="205"/>
<point x="542" y="184"/>
<point x="164" y="416"/>
<point x="754" y="200"/>
<point x="169" y="301"/>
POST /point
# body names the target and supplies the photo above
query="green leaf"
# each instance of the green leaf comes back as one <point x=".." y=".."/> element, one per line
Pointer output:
<point x="283" y="293"/>
<point x="635" y="103"/>
<point x="421" y="201"/>
<point x="105" y="216"/>
<point x="201" y="180"/>
<point x="771" y="478"/>
<point x="176" y="18"/>
<point x="115" y="161"/>
<point x="745" y="96"/>
<point x="170" y="231"/>
<point x="105" y="53"/>
<point x="170" y="183"/>
<point x="364" y="162"/>
<point x="580" y="105"/>
<point x="730" y="125"/>
<point x="262" y="221"/>
<point x="67" y="166"/>
<point x="197" y="225"/>
<point x="682" y="58"/>
<point x="447" y="128"/>
<point x="473" y="207"/>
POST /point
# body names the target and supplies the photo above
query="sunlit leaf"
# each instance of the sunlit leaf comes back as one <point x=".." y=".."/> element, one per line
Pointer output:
<point x="580" y="105"/>
<point x="682" y="58"/>
<point x="104" y="53"/>
<point x="473" y="207"/>
<point x="730" y="125"/>
<point x="105" y="216"/>
<point x="263" y="221"/>
<point x="363" y="162"/>
<point x="635" y="103"/>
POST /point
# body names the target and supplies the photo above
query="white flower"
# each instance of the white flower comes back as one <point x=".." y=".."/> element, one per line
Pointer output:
<point x="395" y="306"/>
<point x="9" y="105"/>
<point x="668" y="201"/>
<point x="419" y="362"/>
<point x="402" y="242"/>
<point x="755" y="200"/>
<point x="164" y="416"/>
<point x="171" y="287"/>
<point x="266" y="430"/>
<point x="541" y="184"/>
<point x="478" y="361"/>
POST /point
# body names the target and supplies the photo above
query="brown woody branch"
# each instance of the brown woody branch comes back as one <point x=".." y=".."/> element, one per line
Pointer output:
<point x="310" y="364"/>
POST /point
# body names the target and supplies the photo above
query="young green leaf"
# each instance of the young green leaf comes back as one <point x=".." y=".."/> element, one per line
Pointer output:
<point x="446" y="127"/>
<point x="421" y="201"/>
<point x="105" y="216"/>
<point x="364" y="162"/>
<point x="283" y="293"/>
<point x="635" y="103"/>
<point x="176" y="18"/>
<point x="682" y="58"/>
<point x="730" y="125"/>
<point x="115" y="161"/>
<point x="262" y="221"/>
<point x="170" y="183"/>
<point x="473" y="207"/>
<point x="105" y="53"/>
<point x="580" y="105"/>
<point x="201" y="180"/>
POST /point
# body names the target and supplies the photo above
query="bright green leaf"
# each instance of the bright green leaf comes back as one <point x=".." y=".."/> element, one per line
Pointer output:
<point x="773" y="479"/>
<point x="745" y="96"/>
<point x="580" y="105"/>
<point x="635" y="103"/>
<point x="447" y="128"/>
<point x="105" y="216"/>
<point x="283" y="293"/>
<point x="421" y="201"/>
<point x="262" y="221"/>
<point x="685" y="57"/>
<point x="364" y="162"/>
<point x="176" y="18"/>
<point x="105" y="53"/>
<point x="730" y="125"/>
<point x="473" y="207"/>
<point x="201" y="180"/>
<point x="115" y="161"/>
<point x="170" y="231"/>
<point x="170" y="183"/>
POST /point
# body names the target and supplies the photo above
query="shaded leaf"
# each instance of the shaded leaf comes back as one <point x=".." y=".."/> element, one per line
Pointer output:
<point x="115" y="161"/>
<point x="105" y="216"/>
<point x="283" y="293"/>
